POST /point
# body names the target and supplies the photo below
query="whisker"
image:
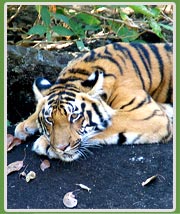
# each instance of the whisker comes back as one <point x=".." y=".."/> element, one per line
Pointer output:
<point x="82" y="154"/>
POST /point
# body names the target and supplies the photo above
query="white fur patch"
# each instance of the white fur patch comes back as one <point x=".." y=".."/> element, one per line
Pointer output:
<point x="168" y="109"/>
<point x="131" y="138"/>
<point x="113" y="139"/>
<point x="92" y="76"/>
<point x="45" y="82"/>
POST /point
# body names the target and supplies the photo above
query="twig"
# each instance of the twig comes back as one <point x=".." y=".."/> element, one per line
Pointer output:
<point x="13" y="16"/>
<point x="112" y="19"/>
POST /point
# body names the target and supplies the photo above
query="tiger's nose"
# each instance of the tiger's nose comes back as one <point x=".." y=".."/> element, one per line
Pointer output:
<point x="62" y="147"/>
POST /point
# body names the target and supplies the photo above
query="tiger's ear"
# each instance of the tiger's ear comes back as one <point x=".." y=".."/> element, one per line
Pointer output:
<point x="95" y="82"/>
<point x="40" y="86"/>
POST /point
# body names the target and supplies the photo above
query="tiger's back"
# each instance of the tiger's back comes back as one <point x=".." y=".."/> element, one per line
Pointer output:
<point x="134" y="65"/>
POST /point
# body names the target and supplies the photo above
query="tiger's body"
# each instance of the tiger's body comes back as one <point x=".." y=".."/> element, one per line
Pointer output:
<point x="118" y="93"/>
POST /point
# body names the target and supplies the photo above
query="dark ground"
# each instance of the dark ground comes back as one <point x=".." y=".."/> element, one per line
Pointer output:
<point x="114" y="174"/>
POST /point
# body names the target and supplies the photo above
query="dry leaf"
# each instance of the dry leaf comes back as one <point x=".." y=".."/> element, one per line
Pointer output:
<point x="69" y="200"/>
<point x="147" y="181"/>
<point x="15" y="166"/>
<point x="12" y="142"/>
<point x="84" y="187"/>
<point x="10" y="138"/>
<point x="31" y="175"/>
<point x="16" y="142"/>
<point x="44" y="165"/>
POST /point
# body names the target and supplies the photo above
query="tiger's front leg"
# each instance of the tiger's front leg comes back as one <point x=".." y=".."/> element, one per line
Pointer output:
<point x="29" y="126"/>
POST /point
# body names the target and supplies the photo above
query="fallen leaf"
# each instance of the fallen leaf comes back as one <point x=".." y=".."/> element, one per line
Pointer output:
<point x="10" y="138"/>
<point x="30" y="176"/>
<point x="16" y="141"/>
<point x="147" y="181"/>
<point x="84" y="187"/>
<point x="15" y="166"/>
<point x="45" y="164"/>
<point x="69" y="200"/>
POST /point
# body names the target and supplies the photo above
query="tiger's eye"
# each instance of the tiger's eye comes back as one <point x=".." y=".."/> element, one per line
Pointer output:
<point x="74" y="116"/>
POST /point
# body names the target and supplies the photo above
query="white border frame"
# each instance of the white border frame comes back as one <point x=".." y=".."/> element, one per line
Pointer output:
<point x="174" y="98"/>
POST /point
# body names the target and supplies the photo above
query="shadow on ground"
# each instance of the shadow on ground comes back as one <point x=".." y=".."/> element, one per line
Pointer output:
<point x="114" y="174"/>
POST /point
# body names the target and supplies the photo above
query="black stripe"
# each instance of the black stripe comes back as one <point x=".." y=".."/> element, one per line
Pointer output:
<point x="53" y="95"/>
<point x="69" y="79"/>
<point x="63" y="102"/>
<point x="79" y="71"/>
<point x="93" y="57"/>
<point x="91" y="83"/>
<point x="83" y="105"/>
<point x="155" y="113"/>
<point x="137" y="138"/>
<point x="169" y="134"/>
<point x="58" y="87"/>
<point x="113" y="100"/>
<point x="139" y="104"/>
<point x="168" y="47"/>
<point x="99" y="68"/>
<point x="50" y="101"/>
<point x="107" y="51"/>
<point x="42" y="125"/>
<point x="91" y="123"/>
<point x="121" y="139"/>
<point x="69" y="99"/>
<point x="72" y="87"/>
<point x="144" y="50"/>
<point x="67" y="93"/>
<point x="104" y="72"/>
<point x="47" y="148"/>
<point x="126" y="53"/>
<point x="129" y="103"/>
<point x="144" y="57"/>
<point x="96" y="109"/>
<point x="90" y="57"/>
<point x="161" y="65"/>
<point x="122" y="59"/>
<point x="169" y="92"/>
<point x="111" y="60"/>
<point x="61" y="106"/>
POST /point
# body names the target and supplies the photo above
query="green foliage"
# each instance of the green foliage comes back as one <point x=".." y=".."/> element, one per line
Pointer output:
<point x="88" y="19"/>
<point x="153" y="16"/>
<point x="38" y="29"/>
<point x="143" y="10"/>
<point x="122" y="31"/>
<point x="70" y="22"/>
<point x="45" y="15"/>
<point x="62" y="31"/>
<point x="8" y="123"/>
<point x="155" y="27"/>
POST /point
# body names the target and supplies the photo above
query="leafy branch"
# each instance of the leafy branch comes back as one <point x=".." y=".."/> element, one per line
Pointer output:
<point x="71" y="23"/>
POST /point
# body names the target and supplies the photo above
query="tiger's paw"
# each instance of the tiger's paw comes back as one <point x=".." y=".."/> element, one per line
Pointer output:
<point x="23" y="130"/>
<point x="40" y="145"/>
<point x="20" y="131"/>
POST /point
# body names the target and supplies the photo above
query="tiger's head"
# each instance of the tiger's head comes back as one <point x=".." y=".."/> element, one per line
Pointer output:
<point x="70" y="118"/>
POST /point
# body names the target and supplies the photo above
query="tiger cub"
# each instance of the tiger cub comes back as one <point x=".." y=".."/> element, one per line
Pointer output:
<point x="118" y="93"/>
